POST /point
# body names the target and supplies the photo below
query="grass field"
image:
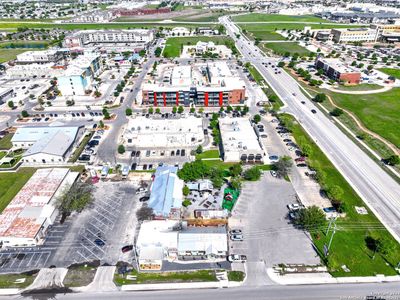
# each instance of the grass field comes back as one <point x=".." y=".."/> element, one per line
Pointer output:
<point x="359" y="87"/>
<point x="348" y="245"/>
<point x="378" y="112"/>
<point x="5" y="142"/>
<point x="175" y="277"/>
<point x="259" y="17"/>
<point x="9" y="280"/>
<point x="173" y="45"/>
<point x="11" y="183"/>
<point x="10" y="54"/>
<point x="391" y="72"/>
<point x="267" y="32"/>
<point x="282" y="48"/>
<point x="256" y="75"/>
<point x="208" y="154"/>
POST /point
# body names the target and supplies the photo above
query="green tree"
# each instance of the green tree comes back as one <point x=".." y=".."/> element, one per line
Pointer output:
<point x="144" y="213"/>
<point x="157" y="52"/>
<point x="106" y="114"/>
<point x="174" y="110"/>
<point x="283" y="166"/>
<point x="334" y="192"/>
<point x="185" y="190"/>
<point x="150" y="110"/>
<point x="121" y="149"/>
<point x="281" y="64"/>
<point x="199" y="149"/>
<point x="180" y="109"/>
<point x="252" y="174"/>
<point x="201" y="110"/>
<point x="75" y="197"/>
<point x="311" y="218"/>
<point x="10" y="104"/>
<point x="194" y="170"/>
<point x="307" y="149"/>
<point x="236" y="184"/>
<point x="101" y="124"/>
<point x="128" y="111"/>
<point x="192" y="110"/>
<point x="320" y="98"/>
<point x="158" y="110"/>
<point x="24" y="114"/>
<point x="229" y="108"/>
<point x="393" y="160"/>
<point x="336" y="112"/>
<point x="257" y="118"/>
<point x="236" y="170"/>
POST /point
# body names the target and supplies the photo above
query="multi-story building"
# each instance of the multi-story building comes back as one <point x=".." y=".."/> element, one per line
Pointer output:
<point x="337" y="70"/>
<point x="203" y="84"/>
<point x="79" y="75"/>
<point x="47" y="70"/>
<point x="40" y="57"/>
<point x="135" y="37"/>
<point x="349" y="35"/>
<point x="387" y="32"/>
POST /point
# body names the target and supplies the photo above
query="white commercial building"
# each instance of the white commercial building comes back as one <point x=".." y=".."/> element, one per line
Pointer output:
<point x="148" y="133"/>
<point x="24" y="222"/>
<point x="240" y="141"/>
<point x="135" y="37"/>
<point x="350" y="35"/>
<point x="46" y="145"/>
<point x="45" y="56"/>
<point x="46" y="70"/>
<point x="172" y="240"/>
<point x="179" y="31"/>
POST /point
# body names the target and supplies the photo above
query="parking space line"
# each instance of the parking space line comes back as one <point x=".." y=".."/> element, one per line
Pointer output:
<point x="29" y="263"/>
<point x="14" y="259"/>
<point x="104" y="214"/>
<point x="47" y="258"/>
<point x="97" y="247"/>
<point x="106" y="204"/>
<point x="83" y="256"/>
<point x="96" y="227"/>
<point x="86" y="248"/>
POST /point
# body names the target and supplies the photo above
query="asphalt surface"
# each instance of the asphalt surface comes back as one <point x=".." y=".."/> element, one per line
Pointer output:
<point x="308" y="292"/>
<point x="378" y="190"/>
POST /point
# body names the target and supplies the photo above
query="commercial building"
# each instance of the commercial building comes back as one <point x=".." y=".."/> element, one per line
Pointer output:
<point x="201" y="84"/>
<point x="146" y="133"/>
<point x="239" y="141"/>
<point x="133" y="37"/>
<point x="45" y="145"/>
<point x="173" y="240"/>
<point x="166" y="193"/>
<point x="387" y="32"/>
<point x="24" y="222"/>
<point x="45" y="70"/>
<point x="351" y="35"/>
<point x="79" y="75"/>
<point x="140" y="11"/>
<point x="40" y="57"/>
<point x="337" y="70"/>
<point x="5" y="94"/>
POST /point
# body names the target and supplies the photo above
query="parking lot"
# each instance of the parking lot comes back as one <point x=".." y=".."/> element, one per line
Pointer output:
<point x="23" y="259"/>
<point x="100" y="231"/>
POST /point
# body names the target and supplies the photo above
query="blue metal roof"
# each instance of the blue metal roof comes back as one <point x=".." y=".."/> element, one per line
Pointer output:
<point x="33" y="134"/>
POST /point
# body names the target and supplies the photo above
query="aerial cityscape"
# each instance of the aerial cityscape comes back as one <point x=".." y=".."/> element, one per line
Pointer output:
<point x="238" y="149"/>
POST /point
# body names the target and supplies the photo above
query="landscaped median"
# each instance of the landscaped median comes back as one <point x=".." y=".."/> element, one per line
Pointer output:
<point x="361" y="245"/>
<point x="18" y="281"/>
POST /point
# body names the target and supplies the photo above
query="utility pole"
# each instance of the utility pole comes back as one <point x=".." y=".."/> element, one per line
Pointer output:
<point x="333" y="233"/>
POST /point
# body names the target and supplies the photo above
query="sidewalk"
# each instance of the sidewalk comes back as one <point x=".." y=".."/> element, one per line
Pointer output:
<point x="180" y="286"/>
<point x="325" y="278"/>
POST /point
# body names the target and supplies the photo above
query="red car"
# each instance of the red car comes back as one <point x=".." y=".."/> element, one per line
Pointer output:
<point x="299" y="159"/>
<point x="127" y="248"/>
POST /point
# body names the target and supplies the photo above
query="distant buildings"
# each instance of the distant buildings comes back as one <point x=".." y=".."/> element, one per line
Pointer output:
<point x="166" y="193"/>
<point x="84" y="38"/>
<point x="337" y="70"/>
<point x="45" y="145"/>
<point x="239" y="141"/>
<point x="201" y="84"/>
<point x="79" y="75"/>
<point x="348" y="35"/>
<point x="171" y="240"/>
<point x="25" y="220"/>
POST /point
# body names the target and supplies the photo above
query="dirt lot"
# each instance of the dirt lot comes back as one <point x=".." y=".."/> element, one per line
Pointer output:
<point x="79" y="276"/>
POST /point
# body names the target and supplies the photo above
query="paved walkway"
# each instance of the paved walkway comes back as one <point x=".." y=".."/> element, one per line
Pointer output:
<point x="48" y="278"/>
<point x="382" y="90"/>
<point x="103" y="281"/>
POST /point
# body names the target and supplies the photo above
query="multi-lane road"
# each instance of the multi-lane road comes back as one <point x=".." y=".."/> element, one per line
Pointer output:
<point x="378" y="190"/>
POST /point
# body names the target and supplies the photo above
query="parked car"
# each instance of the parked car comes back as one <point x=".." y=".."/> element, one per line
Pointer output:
<point x="300" y="159"/>
<point x="237" y="237"/>
<point x="294" y="206"/>
<point x="99" y="242"/>
<point x="127" y="248"/>
<point x="84" y="157"/>
<point x="141" y="189"/>
<point x="302" y="165"/>
<point x="329" y="209"/>
<point x="313" y="111"/>
<point x="97" y="137"/>
<point x="235" y="231"/>
<point x="144" y="198"/>
<point x="93" y="143"/>
<point x="273" y="173"/>
<point x="237" y="258"/>
<point x="273" y="157"/>
<point x="287" y="140"/>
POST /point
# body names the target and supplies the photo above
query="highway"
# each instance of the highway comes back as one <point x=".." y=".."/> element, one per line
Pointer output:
<point x="378" y="190"/>
<point x="276" y="292"/>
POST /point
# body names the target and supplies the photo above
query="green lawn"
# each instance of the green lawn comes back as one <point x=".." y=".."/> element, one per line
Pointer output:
<point x="5" y="142"/>
<point x="236" y="275"/>
<point x="282" y="48"/>
<point x="208" y="154"/>
<point x="79" y="276"/>
<point x="391" y="72"/>
<point x="267" y="31"/>
<point x="10" y="54"/>
<point x="9" y="280"/>
<point x="173" y="45"/>
<point x="11" y="183"/>
<point x="378" y="112"/>
<point x="2" y="154"/>
<point x="74" y="157"/>
<point x="173" y="277"/>
<point x="348" y="246"/>
<point x="359" y="87"/>
<point x="260" y="17"/>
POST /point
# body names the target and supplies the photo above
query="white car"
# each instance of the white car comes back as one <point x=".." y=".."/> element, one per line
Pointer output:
<point x="237" y="258"/>
<point x="294" y="206"/>
<point x="237" y="237"/>
<point x="273" y="173"/>
<point x="141" y="190"/>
